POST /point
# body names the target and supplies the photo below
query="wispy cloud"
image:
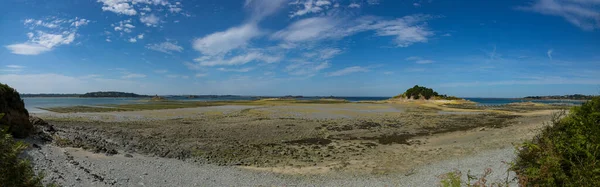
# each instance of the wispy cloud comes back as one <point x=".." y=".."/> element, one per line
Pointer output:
<point x="406" y="30"/>
<point x="581" y="13"/>
<point x="306" y="68"/>
<point x="235" y="70"/>
<point x="236" y="60"/>
<point x="13" y="68"/>
<point x="133" y="75"/>
<point x="165" y="47"/>
<point x="354" y="5"/>
<point x="348" y="70"/>
<point x="419" y="60"/>
<point x="549" y="53"/>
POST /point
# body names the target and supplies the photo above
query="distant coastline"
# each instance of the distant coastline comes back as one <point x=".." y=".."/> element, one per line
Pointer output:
<point x="574" y="97"/>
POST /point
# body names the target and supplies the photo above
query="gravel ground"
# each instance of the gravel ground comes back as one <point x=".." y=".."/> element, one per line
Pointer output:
<point x="76" y="167"/>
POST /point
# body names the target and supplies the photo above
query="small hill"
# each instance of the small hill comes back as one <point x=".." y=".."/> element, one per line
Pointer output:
<point x="111" y="94"/>
<point x="16" y="117"/>
<point x="421" y="92"/>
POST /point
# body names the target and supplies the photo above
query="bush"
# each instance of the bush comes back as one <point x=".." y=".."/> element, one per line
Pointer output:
<point x="566" y="153"/>
<point x="13" y="170"/>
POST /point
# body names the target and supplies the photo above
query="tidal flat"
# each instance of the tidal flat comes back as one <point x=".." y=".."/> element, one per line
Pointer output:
<point x="299" y="137"/>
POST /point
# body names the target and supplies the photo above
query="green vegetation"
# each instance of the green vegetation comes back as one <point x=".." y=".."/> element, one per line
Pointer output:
<point x="566" y="153"/>
<point x="111" y="94"/>
<point x="13" y="170"/>
<point x="17" y="117"/>
<point x="418" y="92"/>
<point x="570" y="97"/>
<point x="453" y="179"/>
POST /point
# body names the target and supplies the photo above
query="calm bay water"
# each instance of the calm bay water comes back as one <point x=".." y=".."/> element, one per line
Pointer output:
<point x="34" y="103"/>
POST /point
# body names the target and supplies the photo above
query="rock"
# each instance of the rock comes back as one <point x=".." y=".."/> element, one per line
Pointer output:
<point x="128" y="155"/>
<point x="16" y="116"/>
<point x="41" y="129"/>
<point x="482" y="129"/>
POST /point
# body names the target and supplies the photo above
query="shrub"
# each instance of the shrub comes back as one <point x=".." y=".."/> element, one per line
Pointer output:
<point x="566" y="153"/>
<point x="13" y="170"/>
<point x="453" y="179"/>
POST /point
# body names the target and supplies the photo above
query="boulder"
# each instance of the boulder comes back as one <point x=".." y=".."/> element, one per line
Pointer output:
<point x="16" y="118"/>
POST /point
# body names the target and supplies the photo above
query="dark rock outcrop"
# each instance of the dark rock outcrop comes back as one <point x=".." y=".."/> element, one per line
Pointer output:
<point x="16" y="117"/>
<point x="41" y="129"/>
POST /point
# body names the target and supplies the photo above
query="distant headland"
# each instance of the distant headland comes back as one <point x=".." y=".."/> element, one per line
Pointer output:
<point x="423" y="93"/>
<point x="89" y="94"/>
<point x="561" y="97"/>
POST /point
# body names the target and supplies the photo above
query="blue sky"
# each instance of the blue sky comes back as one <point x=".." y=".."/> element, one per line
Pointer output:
<point x="301" y="47"/>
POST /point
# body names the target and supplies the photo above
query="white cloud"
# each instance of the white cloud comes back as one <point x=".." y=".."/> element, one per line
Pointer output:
<point x="15" y="66"/>
<point x="12" y="68"/>
<point x="310" y="6"/>
<point x="416" y="4"/>
<point x="348" y="70"/>
<point x="225" y="41"/>
<point x="79" y="22"/>
<point x="50" y="33"/>
<point x="235" y="70"/>
<point x="132" y="40"/>
<point x="41" y="42"/>
<point x="549" y="53"/>
<point x="118" y="6"/>
<point x="354" y="5"/>
<point x="140" y="36"/>
<point x="165" y="47"/>
<point x="581" y="13"/>
<point x="406" y="30"/>
<point x="133" y="75"/>
<point x="419" y="60"/>
<point x="150" y="20"/>
<point x="237" y="60"/>
<point x="147" y="9"/>
<point x="124" y="26"/>
<point x="108" y="40"/>
<point x="27" y="49"/>
<point x="322" y="2"/>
